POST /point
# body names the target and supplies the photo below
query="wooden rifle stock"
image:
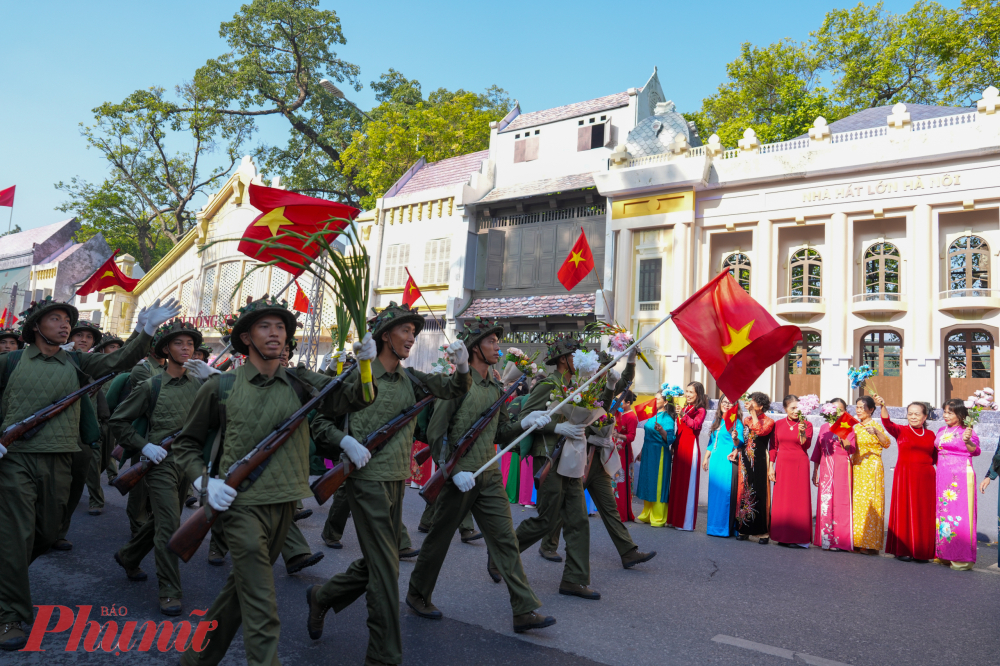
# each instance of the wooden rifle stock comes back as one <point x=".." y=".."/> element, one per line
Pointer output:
<point x="187" y="539"/>
<point x="550" y="462"/>
<point x="126" y="481"/>
<point x="28" y="427"/>
<point x="117" y="453"/>
<point x="421" y="456"/>
<point x="432" y="488"/>
<point x="325" y="486"/>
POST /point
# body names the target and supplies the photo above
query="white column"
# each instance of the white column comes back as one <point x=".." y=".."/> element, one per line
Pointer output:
<point x="838" y="278"/>
<point x="920" y="380"/>
<point x="619" y="269"/>
<point x="675" y="350"/>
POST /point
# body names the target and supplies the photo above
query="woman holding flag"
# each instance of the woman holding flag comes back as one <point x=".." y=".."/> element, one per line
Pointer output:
<point x="869" y="479"/>
<point x="831" y="460"/>
<point x="725" y="432"/>
<point x="685" y="477"/>
<point x="753" y="500"/>
<point x="654" y="472"/>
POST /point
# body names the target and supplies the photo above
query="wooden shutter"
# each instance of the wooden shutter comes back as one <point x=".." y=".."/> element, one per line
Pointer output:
<point x="494" y="258"/>
<point x="526" y="270"/>
<point x="519" y="151"/>
<point x="471" y="245"/>
<point x="583" y="138"/>
<point x="531" y="149"/>
<point x="608" y="131"/>
<point x="546" y="276"/>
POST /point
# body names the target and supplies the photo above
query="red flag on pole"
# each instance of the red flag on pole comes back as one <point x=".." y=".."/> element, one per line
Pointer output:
<point x="108" y="275"/>
<point x="3" y="319"/>
<point x="7" y="196"/>
<point x="646" y="410"/>
<point x="579" y="262"/>
<point x="730" y="416"/>
<point x="411" y="292"/>
<point x="733" y="335"/>
<point x="283" y="211"/>
<point x="843" y="425"/>
<point x="301" y="300"/>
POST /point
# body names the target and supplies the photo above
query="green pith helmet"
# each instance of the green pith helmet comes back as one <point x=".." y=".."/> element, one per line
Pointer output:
<point x="206" y="350"/>
<point x="12" y="333"/>
<point x="169" y="331"/>
<point x="253" y="311"/>
<point x="88" y="327"/>
<point x="31" y="316"/>
<point x="108" y="339"/>
<point x="478" y="329"/>
<point x="292" y="345"/>
<point x="560" y="347"/>
<point x="394" y="315"/>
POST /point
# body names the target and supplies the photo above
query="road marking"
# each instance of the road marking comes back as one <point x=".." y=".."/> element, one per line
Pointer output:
<point x="776" y="651"/>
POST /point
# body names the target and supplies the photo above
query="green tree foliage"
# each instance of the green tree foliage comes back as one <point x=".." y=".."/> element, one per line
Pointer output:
<point x="859" y="58"/>
<point x="405" y="127"/>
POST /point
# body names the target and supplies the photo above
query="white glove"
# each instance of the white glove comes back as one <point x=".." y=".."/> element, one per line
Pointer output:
<point x="633" y="353"/>
<point x="68" y="347"/>
<point x="140" y="320"/>
<point x="537" y="418"/>
<point x="570" y="431"/>
<point x="365" y="350"/>
<point x="613" y="377"/>
<point x="3" y="450"/>
<point x="460" y="353"/>
<point x="357" y="454"/>
<point x="464" y="481"/>
<point x="220" y="496"/>
<point x="154" y="452"/>
<point x="157" y="314"/>
<point x="200" y="370"/>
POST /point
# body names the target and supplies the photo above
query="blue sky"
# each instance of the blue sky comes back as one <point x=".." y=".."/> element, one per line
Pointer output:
<point x="58" y="60"/>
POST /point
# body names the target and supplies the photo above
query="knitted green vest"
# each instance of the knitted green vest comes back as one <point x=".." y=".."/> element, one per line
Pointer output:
<point x="172" y="406"/>
<point x="34" y="384"/>
<point x="479" y="399"/>
<point x="252" y="412"/>
<point x="392" y="463"/>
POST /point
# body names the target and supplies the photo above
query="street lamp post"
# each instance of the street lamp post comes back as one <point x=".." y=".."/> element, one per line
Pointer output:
<point x="339" y="94"/>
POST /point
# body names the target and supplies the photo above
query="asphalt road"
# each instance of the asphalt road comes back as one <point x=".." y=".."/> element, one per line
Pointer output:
<point x="702" y="600"/>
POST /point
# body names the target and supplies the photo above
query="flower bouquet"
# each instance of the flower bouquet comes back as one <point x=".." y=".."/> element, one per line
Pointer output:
<point x="600" y="436"/>
<point x="808" y="404"/>
<point x="620" y="338"/>
<point x="840" y="421"/>
<point x="979" y="402"/>
<point x="517" y="363"/>
<point x="861" y="378"/>
<point x="341" y="333"/>
<point x="444" y="364"/>
<point x="584" y="409"/>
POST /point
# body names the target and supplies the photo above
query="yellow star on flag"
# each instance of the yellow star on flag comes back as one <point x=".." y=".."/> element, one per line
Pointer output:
<point x="108" y="273"/>
<point x="648" y="409"/>
<point x="576" y="258"/>
<point x="737" y="339"/>
<point x="412" y="287"/>
<point x="274" y="220"/>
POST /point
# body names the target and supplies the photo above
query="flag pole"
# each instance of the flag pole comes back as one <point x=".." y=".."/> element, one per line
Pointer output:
<point x="10" y="220"/>
<point x="575" y="392"/>
<point x="439" y="322"/>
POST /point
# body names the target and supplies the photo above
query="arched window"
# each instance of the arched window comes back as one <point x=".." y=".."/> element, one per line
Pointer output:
<point x="882" y="269"/>
<point x="969" y="264"/>
<point x="739" y="265"/>
<point x="970" y="362"/>
<point x="806" y="272"/>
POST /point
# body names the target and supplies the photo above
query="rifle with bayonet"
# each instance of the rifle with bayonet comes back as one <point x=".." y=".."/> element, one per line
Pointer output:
<point x="28" y="427"/>
<point x="611" y="412"/>
<point x="186" y="540"/>
<point x="126" y="480"/>
<point x="432" y="488"/>
<point x="325" y="486"/>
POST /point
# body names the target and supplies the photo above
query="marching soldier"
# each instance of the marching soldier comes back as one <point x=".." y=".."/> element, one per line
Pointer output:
<point x="35" y="475"/>
<point x="10" y="340"/>
<point x="202" y="353"/>
<point x="375" y="489"/>
<point x="485" y="496"/>
<point x="244" y="406"/>
<point x="164" y="400"/>
<point x="101" y="457"/>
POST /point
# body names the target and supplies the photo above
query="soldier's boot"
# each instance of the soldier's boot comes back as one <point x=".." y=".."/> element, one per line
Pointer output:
<point x="170" y="606"/>
<point x="422" y="607"/>
<point x="408" y="553"/>
<point x="550" y="555"/>
<point x="423" y="529"/>
<point x="582" y="591"/>
<point x="134" y="574"/>
<point x="470" y="535"/>
<point x="216" y="559"/>
<point x="190" y="501"/>
<point x="12" y="637"/>
<point x="317" y="613"/>
<point x="634" y="557"/>
<point x="300" y="562"/>
<point x="532" y="620"/>
<point x="331" y="543"/>
<point x="492" y="570"/>
<point x="302" y="515"/>
<point x="62" y="544"/>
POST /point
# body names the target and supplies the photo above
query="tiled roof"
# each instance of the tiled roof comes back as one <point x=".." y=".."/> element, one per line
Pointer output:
<point x="25" y="241"/>
<point x="876" y="116"/>
<point x="535" y="187"/>
<point x="532" y="306"/>
<point x="569" y="111"/>
<point x="445" y="172"/>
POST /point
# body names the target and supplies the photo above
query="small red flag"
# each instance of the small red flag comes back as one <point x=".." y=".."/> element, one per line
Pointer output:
<point x="7" y="196"/>
<point x="843" y="425"/>
<point x="579" y="262"/>
<point x="730" y="416"/>
<point x="283" y="211"/>
<point x="3" y="318"/>
<point x="646" y="410"/>
<point x="411" y="292"/>
<point x="733" y="335"/>
<point x="301" y="303"/>
<point x="108" y="275"/>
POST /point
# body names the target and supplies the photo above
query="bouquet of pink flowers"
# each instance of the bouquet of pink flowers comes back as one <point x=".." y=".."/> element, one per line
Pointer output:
<point x="518" y="363"/>
<point x="808" y="404"/>
<point x="443" y="365"/>
<point x="830" y="412"/>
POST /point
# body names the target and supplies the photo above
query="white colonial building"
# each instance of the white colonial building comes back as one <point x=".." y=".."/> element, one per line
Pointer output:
<point x="875" y="234"/>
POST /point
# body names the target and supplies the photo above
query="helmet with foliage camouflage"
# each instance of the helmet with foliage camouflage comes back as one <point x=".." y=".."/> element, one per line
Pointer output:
<point x="37" y="309"/>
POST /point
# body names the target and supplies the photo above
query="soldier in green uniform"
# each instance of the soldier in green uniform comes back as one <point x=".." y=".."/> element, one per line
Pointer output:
<point x="560" y="494"/>
<point x="375" y="489"/>
<point x="35" y="475"/>
<point x="164" y="400"/>
<point x="101" y="457"/>
<point x="598" y="482"/>
<point x="253" y="399"/>
<point x="10" y="339"/>
<point x="202" y="353"/>
<point x="485" y="496"/>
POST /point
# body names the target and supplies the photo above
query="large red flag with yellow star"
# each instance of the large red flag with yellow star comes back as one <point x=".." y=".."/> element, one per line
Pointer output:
<point x="283" y="211"/>
<point x="579" y="262"/>
<point x="108" y="275"/>
<point x="732" y="334"/>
